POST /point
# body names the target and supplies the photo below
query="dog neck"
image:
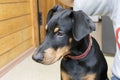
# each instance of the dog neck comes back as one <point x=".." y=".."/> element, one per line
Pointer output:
<point x="81" y="48"/>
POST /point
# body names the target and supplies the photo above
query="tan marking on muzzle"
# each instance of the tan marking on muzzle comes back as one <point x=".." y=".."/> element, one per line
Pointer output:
<point x="89" y="77"/>
<point x="56" y="29"/>
<point x="51" y="55"/>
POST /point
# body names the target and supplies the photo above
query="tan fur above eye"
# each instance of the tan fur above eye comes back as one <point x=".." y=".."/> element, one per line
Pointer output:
<point x="70" y="40"/>
<point x="46" y="27"/>
<point x="56" y="29"/>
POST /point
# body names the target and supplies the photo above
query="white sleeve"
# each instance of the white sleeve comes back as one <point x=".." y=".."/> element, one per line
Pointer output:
<point x="91" y="7"/>
<point x="115" y="12"/>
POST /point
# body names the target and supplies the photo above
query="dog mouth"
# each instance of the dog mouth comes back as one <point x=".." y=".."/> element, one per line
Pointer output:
<point x="51" y="55"/>
<point x="51" y="60"/>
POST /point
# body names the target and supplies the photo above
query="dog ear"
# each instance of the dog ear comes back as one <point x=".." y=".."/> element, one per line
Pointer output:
<point x="83" y="25"/>
<point x="52" y="11"/>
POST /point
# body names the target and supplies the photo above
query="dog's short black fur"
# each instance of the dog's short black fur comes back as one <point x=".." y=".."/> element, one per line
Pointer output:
<point x="67" y="32"/>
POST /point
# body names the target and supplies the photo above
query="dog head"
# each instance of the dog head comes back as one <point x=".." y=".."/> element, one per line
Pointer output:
<point x="63" y="26"/>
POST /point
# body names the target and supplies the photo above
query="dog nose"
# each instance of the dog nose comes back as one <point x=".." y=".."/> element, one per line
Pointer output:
<point x="38" y="58"/>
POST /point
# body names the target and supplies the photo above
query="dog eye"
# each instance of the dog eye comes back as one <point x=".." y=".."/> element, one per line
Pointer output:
<point x="59" y="33"/>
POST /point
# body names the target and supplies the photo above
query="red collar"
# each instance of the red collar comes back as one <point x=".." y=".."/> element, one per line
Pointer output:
<point x="83" y="54"/>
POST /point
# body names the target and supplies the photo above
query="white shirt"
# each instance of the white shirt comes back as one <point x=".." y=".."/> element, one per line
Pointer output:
<point x="104" y="7"/>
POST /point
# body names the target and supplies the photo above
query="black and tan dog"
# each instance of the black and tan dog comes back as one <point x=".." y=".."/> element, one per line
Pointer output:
<point x="67" y="36"/>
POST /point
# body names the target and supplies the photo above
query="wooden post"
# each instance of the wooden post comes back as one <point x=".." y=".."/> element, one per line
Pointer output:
<point x="34" y="18"/>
